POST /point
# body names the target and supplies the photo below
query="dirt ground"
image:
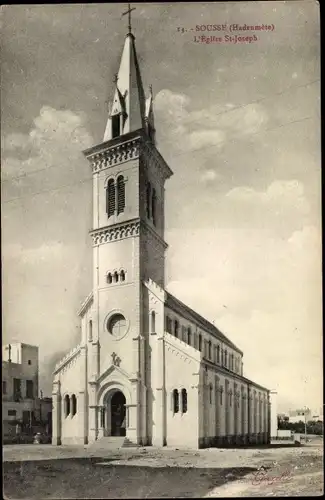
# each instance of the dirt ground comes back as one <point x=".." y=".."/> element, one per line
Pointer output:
<point x="33" y="471"/>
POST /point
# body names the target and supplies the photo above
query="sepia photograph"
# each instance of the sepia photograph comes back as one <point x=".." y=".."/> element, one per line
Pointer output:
<point x="161" y="250"/>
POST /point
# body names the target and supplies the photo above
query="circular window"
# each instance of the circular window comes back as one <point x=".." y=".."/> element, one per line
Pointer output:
<point x="117" y="325"/>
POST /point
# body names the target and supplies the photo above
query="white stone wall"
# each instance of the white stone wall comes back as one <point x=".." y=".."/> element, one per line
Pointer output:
<point x="182" y="363"/>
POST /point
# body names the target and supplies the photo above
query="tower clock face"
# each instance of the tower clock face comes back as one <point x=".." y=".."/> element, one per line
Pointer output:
<point x="117" y="325"/>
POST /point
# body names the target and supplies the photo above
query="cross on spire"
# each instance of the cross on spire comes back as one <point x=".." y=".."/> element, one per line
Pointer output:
<point x="129" y="17"/>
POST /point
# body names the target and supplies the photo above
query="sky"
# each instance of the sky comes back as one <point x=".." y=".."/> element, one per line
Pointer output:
<point x="238" y="123"/>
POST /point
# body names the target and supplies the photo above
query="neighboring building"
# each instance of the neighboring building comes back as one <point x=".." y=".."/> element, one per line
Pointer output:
<point x="274" y="416"/>
<point x="147" y="367"/>
<point x="20" y="386"/>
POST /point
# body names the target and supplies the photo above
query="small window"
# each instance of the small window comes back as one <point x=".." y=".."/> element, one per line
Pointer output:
<point x="176" y="328"/>
<point x="4" y="387"/>
<point x="200" y="343"/>
<point x="154" y="206"/>
<point x="115" y="277"/>
<point x="168" y="324"/>
<point x="73" y="405"/>
<point x="209" y="349"/>
<point x="109" y="278"/>
<point x="226" y="355"/>
<point x="189" y="336"/>
<point x="29" y="389"/>
<point x="184" y="400"/>
<point x="122" y="275"/>
<point x="148" y="196"/>
<point x="210" y="393"/>
<point x="12" y="413"/>
<point x="29" y="362"/>
<point x="230" y="399"/>
<point x="175" y="401"/>
<point x="153" y="322"/>
<point x="90" y="332"/>
<point x="220" y="395"/>
<point x="116" y="121"/>
<point x="66" y="405"/>
<point x="17" y="389"/>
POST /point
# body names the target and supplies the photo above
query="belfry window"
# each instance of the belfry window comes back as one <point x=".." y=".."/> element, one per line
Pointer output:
<point x="176" y="328"/>
<point x="122" y="275"/>
<point x="209" y="349"/>
<point x="116" y="123"/>
<point x="120" y="194"/>
<point x="226" y="355"/>
<point x="200" y="342"/>
<point x="110" y="198"/>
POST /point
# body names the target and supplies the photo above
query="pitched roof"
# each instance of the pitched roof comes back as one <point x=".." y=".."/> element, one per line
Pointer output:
<point x="178" y="306"/>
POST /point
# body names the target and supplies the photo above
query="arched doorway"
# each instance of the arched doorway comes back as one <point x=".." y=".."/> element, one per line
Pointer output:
<point x="118" y="414"/>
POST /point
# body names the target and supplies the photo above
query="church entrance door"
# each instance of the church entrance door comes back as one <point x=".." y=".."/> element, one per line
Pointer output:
<point x="118" y="426"/>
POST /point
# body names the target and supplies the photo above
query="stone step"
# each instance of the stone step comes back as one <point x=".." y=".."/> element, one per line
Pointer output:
<point x="129" y="444"/>
<point x="109" y="442"/>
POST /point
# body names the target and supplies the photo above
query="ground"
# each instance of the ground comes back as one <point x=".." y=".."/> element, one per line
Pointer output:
<point x="45" y="471"/>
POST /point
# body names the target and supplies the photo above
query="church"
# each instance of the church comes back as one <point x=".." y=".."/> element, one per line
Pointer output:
<point x="148" y="370"/>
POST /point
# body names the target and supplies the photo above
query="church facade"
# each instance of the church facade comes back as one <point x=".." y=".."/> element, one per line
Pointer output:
<point x="147" y="367"/>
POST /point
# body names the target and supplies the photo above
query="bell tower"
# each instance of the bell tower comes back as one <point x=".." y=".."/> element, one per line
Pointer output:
<point x="129" y="175"/>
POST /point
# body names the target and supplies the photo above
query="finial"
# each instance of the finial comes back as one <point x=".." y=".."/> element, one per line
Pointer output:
<point x="129" y="17"/>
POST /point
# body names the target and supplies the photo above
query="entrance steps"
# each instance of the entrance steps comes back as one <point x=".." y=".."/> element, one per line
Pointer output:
<point x="112" y="443"/>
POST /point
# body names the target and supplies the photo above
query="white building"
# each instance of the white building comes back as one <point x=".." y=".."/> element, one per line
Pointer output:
<point x="147" y="367"/>
<point x="20" y="387"/>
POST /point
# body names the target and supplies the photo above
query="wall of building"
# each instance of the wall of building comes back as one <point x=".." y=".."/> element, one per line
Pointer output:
<point x="182" y="364"/>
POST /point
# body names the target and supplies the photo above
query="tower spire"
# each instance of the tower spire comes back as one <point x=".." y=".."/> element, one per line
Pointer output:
<point x="128" y="109"/>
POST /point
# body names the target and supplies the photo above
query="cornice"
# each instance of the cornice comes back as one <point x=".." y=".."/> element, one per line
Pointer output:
<point x="114" y="154"/>
<point x="116" y="232"/>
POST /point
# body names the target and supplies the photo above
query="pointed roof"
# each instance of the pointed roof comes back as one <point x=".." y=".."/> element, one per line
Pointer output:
<point x="129" y="95"/>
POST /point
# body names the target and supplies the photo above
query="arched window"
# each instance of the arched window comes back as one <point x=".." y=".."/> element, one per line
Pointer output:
<point x="189" y="336"/>
<point x="66" y="405"/>
<point x="110" y="198"/>
<point x="153" y="322"/>
<point x="122" y="275"/>
<point x="176" y="328"/>
<point x="120" y="194"/>
<point x="153" y="206"/>
<point x="210" y="393"/>
<point x="175" y="401"/>
<point x="232" y="361"/>
<point x="209" y="349"/>
<point x="109" y="278"/>
<point x="218" y="353"/>
<point x="226" y="355"/>
<point x="115" y="277"/>
<point x="90" y="330"/>
<point x="73" y="405"/>
<point x="184" y="400"/>
<point x="148" y="196"/>
<point x="200" y="343"/>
